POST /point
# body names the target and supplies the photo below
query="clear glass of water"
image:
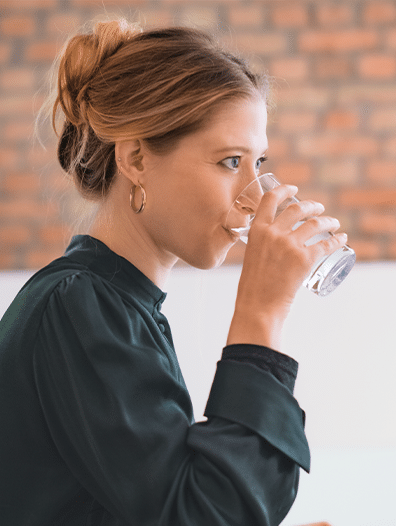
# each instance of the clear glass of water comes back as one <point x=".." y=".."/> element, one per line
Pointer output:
<point x="327" y="273"/>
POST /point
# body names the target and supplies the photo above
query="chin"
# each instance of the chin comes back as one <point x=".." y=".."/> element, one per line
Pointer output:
<point x="207" y="261"/>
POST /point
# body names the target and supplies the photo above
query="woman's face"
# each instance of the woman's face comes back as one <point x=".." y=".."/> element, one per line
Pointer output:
<point x="190" y="190"/>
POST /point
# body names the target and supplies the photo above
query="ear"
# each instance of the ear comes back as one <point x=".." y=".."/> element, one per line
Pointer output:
<point x="129" y="159"/>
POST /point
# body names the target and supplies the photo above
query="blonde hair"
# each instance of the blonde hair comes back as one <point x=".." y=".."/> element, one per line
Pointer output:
<point x="119" y="82"/>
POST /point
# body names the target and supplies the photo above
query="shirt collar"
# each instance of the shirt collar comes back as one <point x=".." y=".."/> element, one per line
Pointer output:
<point x="98" y="258"/>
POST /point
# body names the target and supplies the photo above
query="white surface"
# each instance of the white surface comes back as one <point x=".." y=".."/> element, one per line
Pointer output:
<point x="346" y="347"/>
<point x="345" y="344"/>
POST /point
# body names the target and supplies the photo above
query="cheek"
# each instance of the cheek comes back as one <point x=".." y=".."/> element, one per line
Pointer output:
<point x="190" y="201"/>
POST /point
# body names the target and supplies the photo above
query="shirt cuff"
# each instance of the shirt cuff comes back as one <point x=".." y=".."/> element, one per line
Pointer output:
<point x="279" y="365"/>
<point x="253" y="398"/>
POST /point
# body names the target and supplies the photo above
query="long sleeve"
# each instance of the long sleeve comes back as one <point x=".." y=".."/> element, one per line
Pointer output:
<point x="283" y="367"/>
<point x="97" y="421"/>
<point x="120" y="417"/>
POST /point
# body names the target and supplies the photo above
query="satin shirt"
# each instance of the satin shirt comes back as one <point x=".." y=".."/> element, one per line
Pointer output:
<point x="97" y="425"/>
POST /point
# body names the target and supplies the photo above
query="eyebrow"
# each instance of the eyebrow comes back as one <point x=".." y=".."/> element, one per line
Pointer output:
<point x="240" y="148"/>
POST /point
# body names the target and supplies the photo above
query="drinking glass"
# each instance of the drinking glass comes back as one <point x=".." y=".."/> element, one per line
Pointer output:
<point x="327" y="273"/>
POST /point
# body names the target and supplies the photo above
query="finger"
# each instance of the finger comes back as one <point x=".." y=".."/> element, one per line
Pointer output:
<point x="328" y="246"/>
<point x="315" y="226"/>
<point x="299" y="211"/>
<point x="271" y="200"/>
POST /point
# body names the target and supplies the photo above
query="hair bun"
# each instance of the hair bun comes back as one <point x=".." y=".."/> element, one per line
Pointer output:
<point x="109" y="36"/>
<point x="80" y="61"/>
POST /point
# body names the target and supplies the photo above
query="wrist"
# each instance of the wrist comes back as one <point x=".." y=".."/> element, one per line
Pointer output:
<point x="256" y="329"/>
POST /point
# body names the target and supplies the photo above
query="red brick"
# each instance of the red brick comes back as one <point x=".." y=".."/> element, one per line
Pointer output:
<point x="14" y="105"/>
<point x="14" y="235"/>
<point x="391" y="39"/>
<point x="294" y="121"/>
<point x="342" y="120"/>
<point x="313" y="118"/>
<point x="336" y="145"/>
<point x="379" y="12"/>
<point x="347" y="224"/>
<point x="391" y="250"/>
<point x="290" y="15"/>
<point x="334" y="14"/>
<point x="333" y="67"/>
<point x="289" y="68"/>
<point x="293" y="172"/>
<point x="17" y="79"/>
<point x="278" y="147"/>
<point x="377" y="66"/>
<point x="21" y="182"/>
<point x="366" y="93"/>
<point x="18" y="131"/>
<point x="55" y="234"/>
<point x="377" y="223"/>
<point x="383" y="119"/>
<point x="245" y="16"/>
<point x="59" y="181"/>
<point x="163" y="17"/>
<point x="25" y="208"/>
<point x="368" y="198"/>
<point x="366" y="250"/>
<point x="37" y="156"/>
<point x="63" y="24"/>
<point x="17" y="26"/>
<point x="382" y="171"/>
<point x="8" y="260"/>
<point x="389" y="147"/>
<point x="9" y="158"/>
<point x="37" y="258"/>
<point x="29" y="4"/>
<point x="320" y="196"/>
<point x="339" y="173"/>
<point x="305" y="96"/>
<point x="98" y="4"/>
<point x="268" y="43"/>
<point x="337" y="41"/>
<point x="42" y="51"/>
<point x="5" y="53"/>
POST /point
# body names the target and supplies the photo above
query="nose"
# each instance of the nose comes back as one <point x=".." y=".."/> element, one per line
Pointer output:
<point x="249" y="198"/>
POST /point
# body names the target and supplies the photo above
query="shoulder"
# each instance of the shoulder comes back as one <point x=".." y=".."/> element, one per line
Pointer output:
<point x="61" y="286"/>
<point x="61" y="275"/>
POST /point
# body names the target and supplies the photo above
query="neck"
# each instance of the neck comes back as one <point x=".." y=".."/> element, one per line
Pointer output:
<point x="119" y="229"/>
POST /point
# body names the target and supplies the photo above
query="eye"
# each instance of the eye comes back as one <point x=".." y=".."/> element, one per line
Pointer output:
<point x="260" y="161"/>
<point x="231" y="162"/>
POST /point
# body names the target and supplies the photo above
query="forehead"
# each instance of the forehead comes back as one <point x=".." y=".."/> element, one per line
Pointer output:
<point x="238" y="122"/>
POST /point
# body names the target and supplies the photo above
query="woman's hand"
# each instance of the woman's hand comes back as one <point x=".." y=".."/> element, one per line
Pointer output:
<point x="276" y="263"/>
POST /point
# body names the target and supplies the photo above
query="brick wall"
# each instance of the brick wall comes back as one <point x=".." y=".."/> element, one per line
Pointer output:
<point x="333" y="133"/>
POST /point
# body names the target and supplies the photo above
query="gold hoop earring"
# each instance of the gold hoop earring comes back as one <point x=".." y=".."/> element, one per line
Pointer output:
<point x="132" y="195"/>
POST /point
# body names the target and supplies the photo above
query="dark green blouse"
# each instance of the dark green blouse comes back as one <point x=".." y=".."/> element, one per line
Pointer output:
<point x="97" y="426"/>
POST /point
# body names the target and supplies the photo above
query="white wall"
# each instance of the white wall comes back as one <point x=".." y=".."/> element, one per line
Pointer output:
<point x="345" y="344"/>
<point x="346" y="347"/>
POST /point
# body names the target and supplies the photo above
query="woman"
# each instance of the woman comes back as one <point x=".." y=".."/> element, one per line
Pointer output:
<point x="164" y="129"/>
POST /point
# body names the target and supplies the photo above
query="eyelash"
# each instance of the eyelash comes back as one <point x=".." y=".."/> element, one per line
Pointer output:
<point x="261" y="159"/>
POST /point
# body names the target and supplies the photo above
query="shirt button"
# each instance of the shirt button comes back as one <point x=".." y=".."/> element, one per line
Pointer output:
<point x="161" y="327"/>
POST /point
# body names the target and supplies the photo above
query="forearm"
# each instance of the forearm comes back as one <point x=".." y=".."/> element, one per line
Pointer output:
<point x="256" y="329"/>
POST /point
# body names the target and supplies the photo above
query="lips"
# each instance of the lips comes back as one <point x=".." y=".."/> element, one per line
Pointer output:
<point x="234" y="236"/>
